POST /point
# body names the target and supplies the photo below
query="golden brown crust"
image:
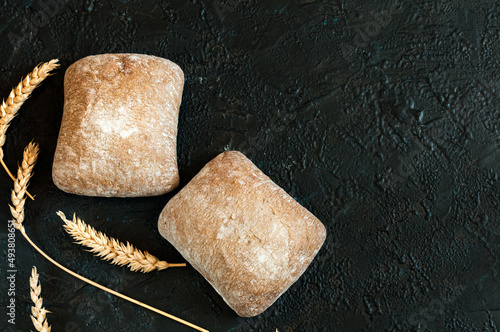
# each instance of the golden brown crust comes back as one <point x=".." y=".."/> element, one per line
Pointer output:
<point x="119" y="127"/>
<point x="242" y="232"/>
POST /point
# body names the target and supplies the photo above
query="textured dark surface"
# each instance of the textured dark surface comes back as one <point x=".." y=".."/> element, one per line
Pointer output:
<point x="380" y="117"/>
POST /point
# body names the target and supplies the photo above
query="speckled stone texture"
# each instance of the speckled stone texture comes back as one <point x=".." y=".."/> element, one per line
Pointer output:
<point x="242" y="232"/>
<point x="118" y="135"/>
<point x="381" y="117"/>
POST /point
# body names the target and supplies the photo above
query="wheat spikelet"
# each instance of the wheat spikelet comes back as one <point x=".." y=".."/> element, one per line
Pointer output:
<point x="38" y="313"/>
<point x="17" y="97"/>
<point x="110" y="249"/>
<point x="24" y="173"/>
<point x="23" y="90"/>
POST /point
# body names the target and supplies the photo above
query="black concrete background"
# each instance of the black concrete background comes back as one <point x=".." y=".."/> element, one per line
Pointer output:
<point x="381" y="117"/>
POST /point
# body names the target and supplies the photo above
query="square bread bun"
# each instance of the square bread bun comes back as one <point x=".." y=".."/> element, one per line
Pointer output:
<point x="242" y="232"/>
<point x="118" y="134"/>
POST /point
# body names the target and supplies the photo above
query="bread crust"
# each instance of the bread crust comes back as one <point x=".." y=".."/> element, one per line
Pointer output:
<point x="242" y="232"/>
<point x="118" y="134"/>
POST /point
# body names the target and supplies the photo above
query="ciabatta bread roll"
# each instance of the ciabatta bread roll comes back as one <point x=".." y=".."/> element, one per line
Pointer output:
<point x="242" y="232"/>
<point x="119" y="128"/>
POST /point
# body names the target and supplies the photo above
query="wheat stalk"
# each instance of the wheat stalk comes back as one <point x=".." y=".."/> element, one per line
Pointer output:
<point x="18" y="198"/>
<point x="110" y="249"/>
<point x="38" y="313"/>
<point x="17" y="97"/>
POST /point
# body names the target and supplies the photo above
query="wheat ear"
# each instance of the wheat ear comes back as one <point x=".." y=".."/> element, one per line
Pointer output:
<point x="18" y="198"/>
<point x="38" y="313"/>
<point x="24" y="173"/>
<point x="17" y="97"/>
<point x="110" y="249"/>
